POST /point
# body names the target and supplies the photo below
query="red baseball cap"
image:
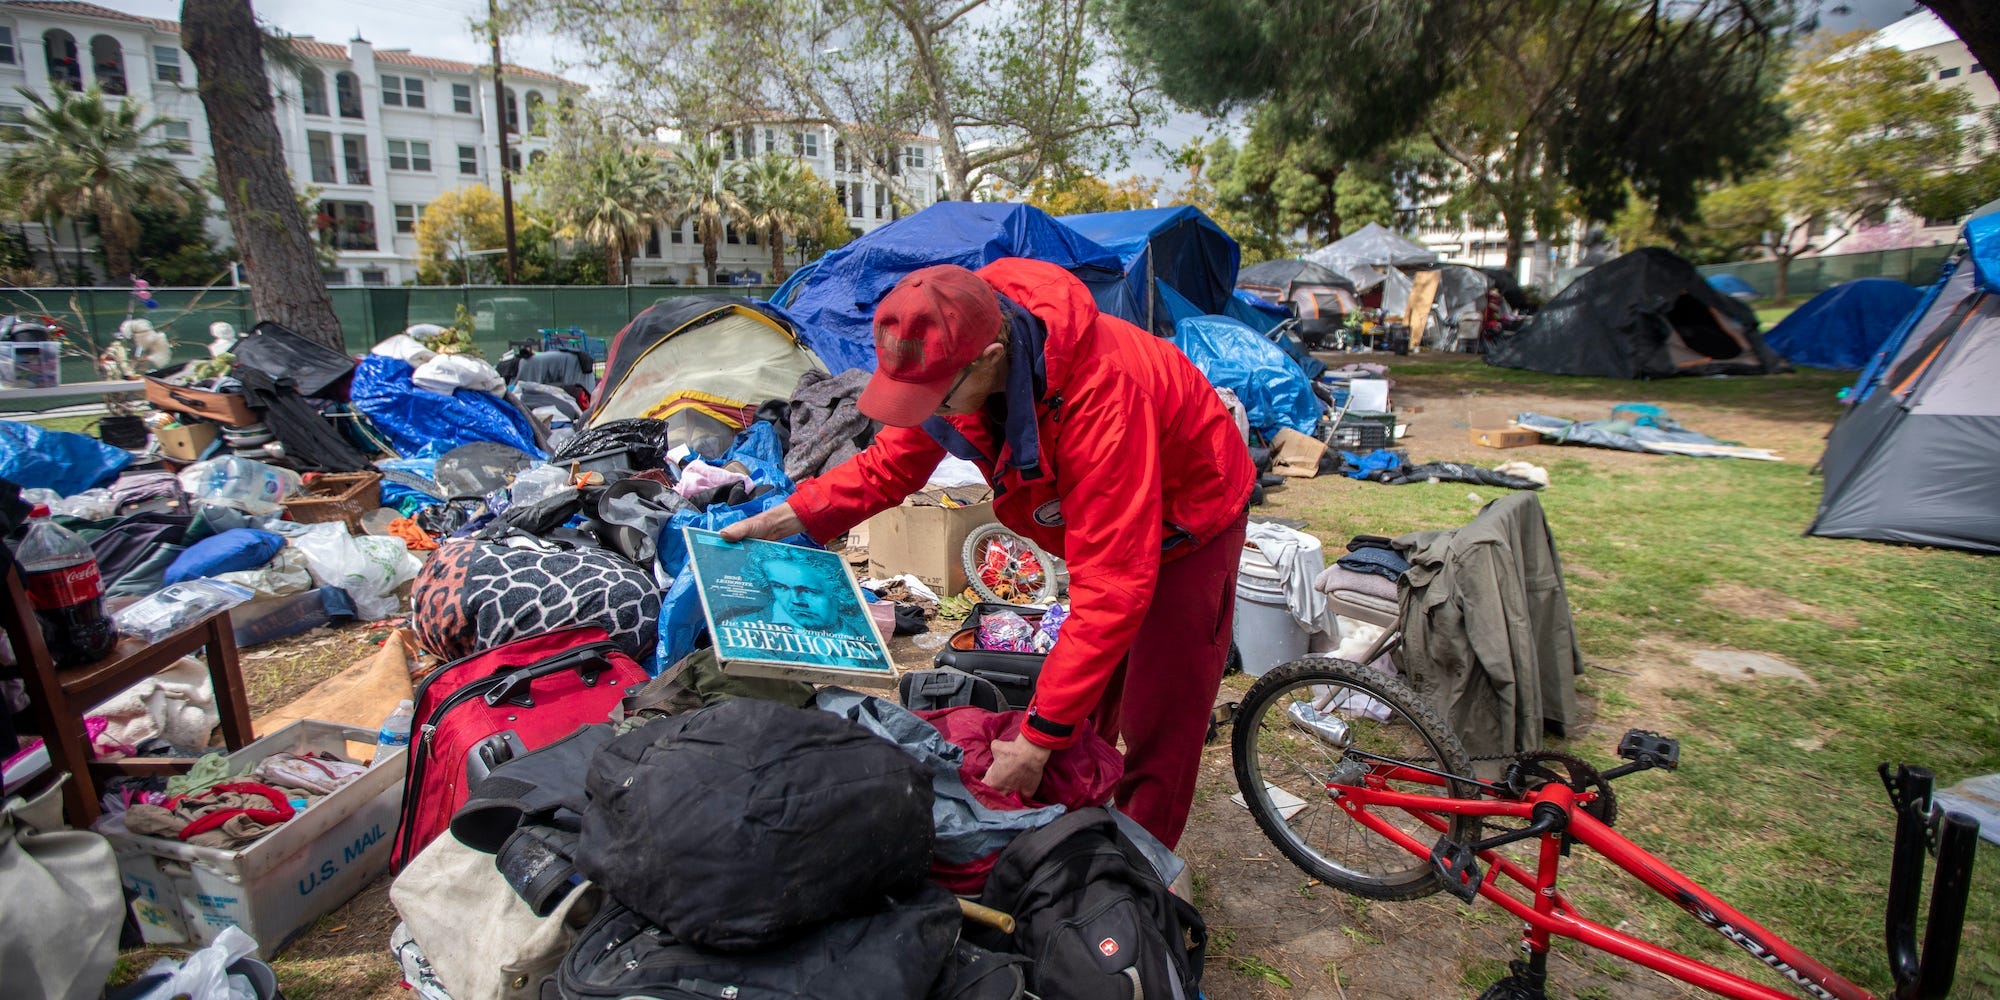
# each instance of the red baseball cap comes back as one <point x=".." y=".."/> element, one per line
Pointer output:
<point x="929" y="327"/>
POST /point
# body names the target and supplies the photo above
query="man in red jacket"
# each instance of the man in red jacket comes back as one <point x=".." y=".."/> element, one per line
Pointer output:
<point x="1104" y="445"/>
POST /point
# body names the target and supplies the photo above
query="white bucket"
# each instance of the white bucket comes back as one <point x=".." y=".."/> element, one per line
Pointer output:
<point x="1266" y="633"/>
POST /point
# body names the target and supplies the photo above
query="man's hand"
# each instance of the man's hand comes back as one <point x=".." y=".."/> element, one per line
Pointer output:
<point x="776" y="523"/>
<point x="1017" y="767"/>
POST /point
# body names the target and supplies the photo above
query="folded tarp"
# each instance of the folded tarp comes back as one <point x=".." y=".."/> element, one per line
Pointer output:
<point x="35" y="457"/>
<point x="1623" y="435"/>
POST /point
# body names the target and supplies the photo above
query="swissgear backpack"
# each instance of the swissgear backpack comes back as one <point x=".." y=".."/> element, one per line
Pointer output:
<point x="1094" y="918"/>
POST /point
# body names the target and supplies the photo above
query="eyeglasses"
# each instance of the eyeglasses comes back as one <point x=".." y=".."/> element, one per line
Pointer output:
<point x="963" y="374"/>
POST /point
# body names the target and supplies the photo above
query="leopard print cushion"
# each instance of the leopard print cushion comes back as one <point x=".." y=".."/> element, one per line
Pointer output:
<point x="474" y="594"/>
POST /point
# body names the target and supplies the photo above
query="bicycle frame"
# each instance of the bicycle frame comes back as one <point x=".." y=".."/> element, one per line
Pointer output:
<point x="1548" y="913"/>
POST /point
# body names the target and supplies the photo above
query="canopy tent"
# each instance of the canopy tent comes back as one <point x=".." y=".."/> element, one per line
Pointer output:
<point x="1844" y="326"/>
<point x="1373" y="247"/>
<point x="1177" y="246"/>
<point x="1916" y="458"/>
<point x="1647" y="314"/>
<point x="834" y="306"/>
<point x="703" y="364"/>
<point x="1733" y="286"/>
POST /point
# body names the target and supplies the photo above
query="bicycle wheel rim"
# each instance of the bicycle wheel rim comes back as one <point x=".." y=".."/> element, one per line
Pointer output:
<point x="1003" y="566"/>
<point x="1283" y="768"/>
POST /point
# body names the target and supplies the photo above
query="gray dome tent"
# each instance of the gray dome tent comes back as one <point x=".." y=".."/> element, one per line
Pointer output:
<point x="1647" y="314"/>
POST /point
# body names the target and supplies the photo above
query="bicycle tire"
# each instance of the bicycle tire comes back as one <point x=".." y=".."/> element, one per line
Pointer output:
<point x="1046" y="589"/>
<point x="1349" y="856"/>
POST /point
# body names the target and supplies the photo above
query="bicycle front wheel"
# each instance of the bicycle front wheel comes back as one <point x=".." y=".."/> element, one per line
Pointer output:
<point x="1317" y="722"/>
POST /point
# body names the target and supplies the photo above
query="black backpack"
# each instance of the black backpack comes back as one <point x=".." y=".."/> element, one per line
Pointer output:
<point x="1093" y="916"/>
<point x="898" y="952"/>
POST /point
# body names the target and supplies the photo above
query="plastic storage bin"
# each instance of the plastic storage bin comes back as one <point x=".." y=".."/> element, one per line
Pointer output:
<point x="276" y="887"/>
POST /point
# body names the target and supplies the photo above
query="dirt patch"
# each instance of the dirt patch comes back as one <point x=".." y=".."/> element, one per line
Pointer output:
<point x="346" y="953"/>
<point x="277" y="672"/>
<point x="1753" y="602"/>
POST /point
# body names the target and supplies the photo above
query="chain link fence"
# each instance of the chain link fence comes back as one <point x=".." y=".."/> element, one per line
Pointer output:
<point x="1809" y="276"/>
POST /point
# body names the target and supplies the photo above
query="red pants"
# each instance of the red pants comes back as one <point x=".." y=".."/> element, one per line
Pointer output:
<point x="1160" y="697"/>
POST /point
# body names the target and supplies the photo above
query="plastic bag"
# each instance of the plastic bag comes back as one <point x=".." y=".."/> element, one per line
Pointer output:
<point x="204" y="975"/>
<point x="174" y="608"/>
<point x="534" y="485"/>
<point x="284" y="575"/>
<point x="91" y="505"/>
<point x="448" y="373"/>
<point x="1006" y="632"/>
<point x="370" y="568"/>
<point x="405" y="348"/>
<point x="1049" y="629"/>
<point x="247" y="483"/>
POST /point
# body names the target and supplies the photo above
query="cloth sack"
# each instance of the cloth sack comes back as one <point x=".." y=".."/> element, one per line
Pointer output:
<point x="743" y="823"/>
<point x="449" y="888"/>
<point x="59" y="927"/>
<point x="475" y="594"/>
<point x="231" y="551"/>
<point x="448" y="373"/>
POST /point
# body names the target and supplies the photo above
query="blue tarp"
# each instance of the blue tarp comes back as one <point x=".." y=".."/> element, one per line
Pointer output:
<point x="414" y="418"/>
<point x="1729" y="284"/>
<point x="1982" y="236"/>
<point x="33" y="457"/>
<point x="835" y="305"/>
<point x="1177" y="245"/>
<point x="1274" y="392"/>
<point x="1845" y="325"/>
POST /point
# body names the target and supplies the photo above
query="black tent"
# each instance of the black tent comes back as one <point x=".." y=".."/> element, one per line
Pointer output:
<point x="1647" y="314"/>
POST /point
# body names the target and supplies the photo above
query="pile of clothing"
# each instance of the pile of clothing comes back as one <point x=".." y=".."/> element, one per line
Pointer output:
<point x="221" y="804"/>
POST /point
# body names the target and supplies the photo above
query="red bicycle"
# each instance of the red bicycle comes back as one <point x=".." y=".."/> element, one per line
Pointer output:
<point x="1358" y="782"/>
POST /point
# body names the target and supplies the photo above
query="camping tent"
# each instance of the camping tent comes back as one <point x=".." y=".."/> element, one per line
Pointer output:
<point x="1844" y="326"/>
<point x="703" y="364"/>
<point x="1647" y="314"/>
<point x="1459" y="306"/>
<point x="1176" y="245"/>
<point x="1320" y="298"/>
<point x="1914" y="458"/>
<point x="834" y="306"/>
<point x="1374" y="256"/>
<point x="1733" y="286"/>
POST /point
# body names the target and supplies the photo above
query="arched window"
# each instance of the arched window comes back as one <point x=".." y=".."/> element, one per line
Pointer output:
<point x="65" y="70"/>
<point x="538" y="156"/>
<point x="534" y="109"/>
<point x="347" y="90"/>
<point x="312" y="91"/>
<point x="512" y="116"/>
<point x="107" y="61"/>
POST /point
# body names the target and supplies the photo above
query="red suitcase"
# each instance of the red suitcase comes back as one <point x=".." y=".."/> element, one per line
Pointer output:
<point x="539" y="689"/>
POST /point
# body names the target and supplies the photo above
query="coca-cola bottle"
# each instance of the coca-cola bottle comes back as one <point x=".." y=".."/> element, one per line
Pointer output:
<point x="68" y="595"/>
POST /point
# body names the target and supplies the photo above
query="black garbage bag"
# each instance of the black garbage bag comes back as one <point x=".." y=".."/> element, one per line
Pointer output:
<point x="442" y="520"/>
<point x="643" y="440"/>
<point x="317" y="370"/>
<point x="312" y="444"/>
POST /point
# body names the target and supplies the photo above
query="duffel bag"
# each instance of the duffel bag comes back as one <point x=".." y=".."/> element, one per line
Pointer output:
<point x="478" y="593"/>
<point x="738" y="825"/>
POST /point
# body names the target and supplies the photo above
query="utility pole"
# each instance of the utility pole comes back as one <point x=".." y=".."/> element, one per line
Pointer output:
<point x="500" y="120"/>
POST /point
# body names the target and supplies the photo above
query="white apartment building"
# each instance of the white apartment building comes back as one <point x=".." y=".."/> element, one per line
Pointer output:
<point x="1924" y="36"/>
<point x="673" y="254"/>
<point x="380" y="132"/>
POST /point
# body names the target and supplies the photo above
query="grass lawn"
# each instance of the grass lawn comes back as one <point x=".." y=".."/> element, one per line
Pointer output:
<point x="1776" y="807"/>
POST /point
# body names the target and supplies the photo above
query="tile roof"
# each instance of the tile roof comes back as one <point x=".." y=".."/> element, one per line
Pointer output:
<point x="404" y="57"/>
<point x="315" y="49"/>
<point x="76" y="9"/>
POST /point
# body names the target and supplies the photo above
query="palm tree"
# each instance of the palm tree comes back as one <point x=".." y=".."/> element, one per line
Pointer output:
<point x="777" y="193"/>
<point x="704" y="189"/>
<point x="83" y="156"/>
<point x="615" y="199"/>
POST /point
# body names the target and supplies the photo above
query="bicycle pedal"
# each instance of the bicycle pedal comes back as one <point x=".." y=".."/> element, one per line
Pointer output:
<point x="1650" y="748"/>
<point x="1457" y="867"/>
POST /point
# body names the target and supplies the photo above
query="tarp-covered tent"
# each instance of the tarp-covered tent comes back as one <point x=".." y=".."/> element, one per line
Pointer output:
<point x="1733" y="286"/>
<point x="834" y="306"/>
<point x="1177" y="246"/>
<point x="1647" y="314"/>
<point x="1844" y="326"/>
<point x="1916" y="458"/>
<point x="1374" y="255"/>
<point x="1320" y="298"/>
<point x="1459" y="306"/>
<point x="1272" y="388"/>
<point x="703" y="364"/>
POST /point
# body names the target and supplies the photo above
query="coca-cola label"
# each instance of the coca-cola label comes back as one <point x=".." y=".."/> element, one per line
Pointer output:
<point x="64" y="587"/>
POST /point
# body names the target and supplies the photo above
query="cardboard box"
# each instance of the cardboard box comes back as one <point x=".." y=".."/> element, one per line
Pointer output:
<point x="1296" y="455"/>
<point x="1496" y="429"/>
<point x="185" y="442"/>
<point x="925" y="539"/>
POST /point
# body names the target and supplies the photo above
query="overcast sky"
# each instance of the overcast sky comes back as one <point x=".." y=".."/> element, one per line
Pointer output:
<point x="443" y="28"/>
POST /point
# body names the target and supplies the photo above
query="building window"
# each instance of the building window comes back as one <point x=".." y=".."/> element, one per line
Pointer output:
<point x="13" y="123"/>
<point x="729" y="146"/>
<point x="180" y="139"/>
<point x="534" y="106"/>
<point x="402" y="91"/>
<point x="335" y="276"/>
<point x="468" y="160"/>
<point x="514" y="159"/>
<point x="374" y="276"/>
<point x="881" y="202"/>
<point x="347" y="91"/>
<point x="854" y="200"/>
<point x="354" y="151"/>
<point x="805" y="144"/>
<point x="312" y="91"/>
<point x="729" y="233"/>
<point x="913" y="157"/>
<point x="410" y="154"/>
<point x="107" y="64"/>
<point x="406" y="218"/>
<point x="512" y="117"/>
<point x="65" y="67"/>
<point x="6" y="45"/>
<point x="1978" y="68"/>
<point x="319" y="149"/>
<point x="166" y="64"/>
<point x="537" y="156"/>
<point x="770" y="140"/>
<point x="1947" y="73"/>
<point x="675" y="235"/>
<point x="840" y="155"/>
<point x="347" y="225"/>
<point x="652" y="248"/>
<point x="461" y="98"/>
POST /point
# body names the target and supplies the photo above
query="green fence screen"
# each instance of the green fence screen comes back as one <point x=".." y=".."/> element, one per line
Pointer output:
<point x="1811" y="275"/>
<point x="501" y="314"/>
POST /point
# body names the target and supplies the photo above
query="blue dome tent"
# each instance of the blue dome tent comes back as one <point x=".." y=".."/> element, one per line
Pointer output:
<point x="1845" y="325"/>
<point x="1734" y="287"/>
<point x="1177" y="246"/>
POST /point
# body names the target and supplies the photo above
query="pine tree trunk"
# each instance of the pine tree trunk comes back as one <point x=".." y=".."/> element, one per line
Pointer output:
<point x="286" y="285"/>
<point x="1781" y="282"/>
<point x="1515" y="241"/>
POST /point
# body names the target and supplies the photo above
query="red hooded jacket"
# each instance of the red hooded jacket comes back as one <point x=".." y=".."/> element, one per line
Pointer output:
<point x="1140" y="463"/>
